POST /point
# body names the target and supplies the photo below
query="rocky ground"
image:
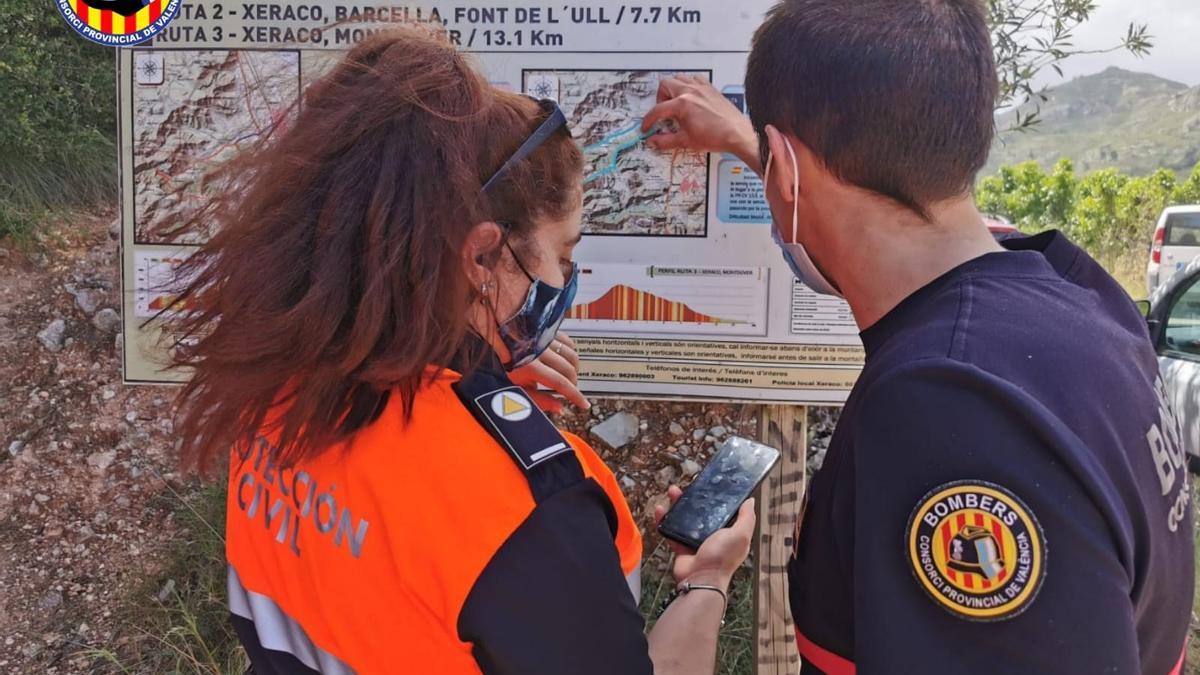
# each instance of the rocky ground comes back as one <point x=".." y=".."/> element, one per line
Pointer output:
<point x="653" y="444"/>
<point x="88" y="488"/>
<point x="84" y="461"/>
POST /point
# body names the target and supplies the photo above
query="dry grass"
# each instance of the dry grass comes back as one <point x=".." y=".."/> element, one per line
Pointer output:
<point x="1130" y="272"/>
<point x="67" y="178"/>
<point x="178" y="621"/>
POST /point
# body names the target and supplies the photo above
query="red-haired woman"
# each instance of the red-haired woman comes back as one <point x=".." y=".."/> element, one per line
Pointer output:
<point x="396" y="503"/>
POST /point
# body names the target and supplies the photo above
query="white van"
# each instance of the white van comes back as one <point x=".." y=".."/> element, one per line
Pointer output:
<point x="1176" y="243"/>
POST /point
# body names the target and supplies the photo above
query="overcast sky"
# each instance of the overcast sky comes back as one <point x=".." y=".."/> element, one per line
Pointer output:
<point x="1175" y="25"/>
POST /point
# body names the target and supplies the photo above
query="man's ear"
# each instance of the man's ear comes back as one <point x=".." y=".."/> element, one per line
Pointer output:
<point x="812" y="171"/>
<point x="809" y="171"/>
<point x="781" y="173"/>
<point x="479" y="249"/>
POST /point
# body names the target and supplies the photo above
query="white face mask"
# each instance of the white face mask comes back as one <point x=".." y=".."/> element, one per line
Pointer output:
<point x="795" y="254"/>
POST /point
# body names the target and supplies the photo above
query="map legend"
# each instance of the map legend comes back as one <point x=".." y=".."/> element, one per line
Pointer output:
<point x="815" y="314"/>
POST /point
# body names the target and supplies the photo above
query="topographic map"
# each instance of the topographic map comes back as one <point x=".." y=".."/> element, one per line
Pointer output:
<point x="629" y="188"/>
<point x="192" y="112"/>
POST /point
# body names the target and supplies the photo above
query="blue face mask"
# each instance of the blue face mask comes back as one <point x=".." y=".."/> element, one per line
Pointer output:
<point x="794" y="254"/>
<point x="533" y="328"/>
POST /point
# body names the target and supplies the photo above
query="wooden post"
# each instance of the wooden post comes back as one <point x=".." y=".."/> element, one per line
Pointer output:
<point x="779" y="501"/>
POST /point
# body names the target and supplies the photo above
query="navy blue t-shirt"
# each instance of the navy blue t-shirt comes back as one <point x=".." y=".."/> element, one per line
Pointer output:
<point x="1006" y="491"/>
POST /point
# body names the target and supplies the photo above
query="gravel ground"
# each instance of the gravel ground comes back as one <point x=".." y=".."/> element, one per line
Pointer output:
<point x="85" y="468"/>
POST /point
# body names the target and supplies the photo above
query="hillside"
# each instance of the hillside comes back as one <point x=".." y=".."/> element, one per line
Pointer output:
<point x="1116" y="118"/>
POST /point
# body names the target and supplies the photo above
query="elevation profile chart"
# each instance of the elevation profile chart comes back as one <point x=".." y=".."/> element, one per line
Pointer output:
<point x="158" y="284"/>
<point x="620" y="298"/>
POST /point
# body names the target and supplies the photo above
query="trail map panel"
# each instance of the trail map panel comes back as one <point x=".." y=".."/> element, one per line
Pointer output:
<point x="682" y="295"/>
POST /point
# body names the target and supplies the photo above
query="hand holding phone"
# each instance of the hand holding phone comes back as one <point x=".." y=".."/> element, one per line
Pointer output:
<point x="720" y="555"/>
<point x="714" y="498"/>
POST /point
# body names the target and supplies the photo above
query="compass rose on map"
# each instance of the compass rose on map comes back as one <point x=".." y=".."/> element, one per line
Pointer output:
<point x="542" y="86"/>
<point x="148" y="68"/>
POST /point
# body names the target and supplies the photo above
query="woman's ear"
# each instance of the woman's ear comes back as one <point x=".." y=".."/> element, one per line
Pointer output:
<point x="478" y="254"/>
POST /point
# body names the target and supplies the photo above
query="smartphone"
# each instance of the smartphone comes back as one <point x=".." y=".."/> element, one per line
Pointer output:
<point x="713" y="499"/>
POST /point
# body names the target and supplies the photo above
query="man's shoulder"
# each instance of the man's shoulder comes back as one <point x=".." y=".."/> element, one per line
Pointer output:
<point x="935" y="410"/>
<point x="975" y="312"/>
<point x="1027" y="331"/>
<point x="1072" y="349"/>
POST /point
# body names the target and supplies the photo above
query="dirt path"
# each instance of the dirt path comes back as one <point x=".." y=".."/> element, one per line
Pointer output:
<point x="84" y="509"/>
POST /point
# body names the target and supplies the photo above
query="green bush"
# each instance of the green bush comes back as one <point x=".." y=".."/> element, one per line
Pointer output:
<point x="1188" y="192"/>
<point x="57" y="116"/>
<point x="1110" y="214"/>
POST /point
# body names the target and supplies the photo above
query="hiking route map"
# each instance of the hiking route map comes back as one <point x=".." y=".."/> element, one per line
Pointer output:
<point x="193" y="111"/>
<point x="681" y="293"/>
<point x="629" y="188"/>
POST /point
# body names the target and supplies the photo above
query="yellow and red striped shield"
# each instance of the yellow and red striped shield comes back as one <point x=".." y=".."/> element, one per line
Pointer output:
<point x="108" y="21"/>
<point x="977" y="550"/>
<point x="118" y="23"/>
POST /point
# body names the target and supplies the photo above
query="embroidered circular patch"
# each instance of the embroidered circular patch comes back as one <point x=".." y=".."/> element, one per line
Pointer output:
<point x="977" y="550"/>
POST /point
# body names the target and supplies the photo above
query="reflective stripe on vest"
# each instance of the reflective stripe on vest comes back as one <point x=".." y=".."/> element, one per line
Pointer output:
<point x="279" y="632"/>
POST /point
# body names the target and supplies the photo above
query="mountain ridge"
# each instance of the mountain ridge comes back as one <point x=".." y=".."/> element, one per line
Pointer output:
<point x="1134" y="122"/>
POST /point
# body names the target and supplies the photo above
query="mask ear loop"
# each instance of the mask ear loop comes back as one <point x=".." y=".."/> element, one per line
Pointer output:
<point x="795" y="187"/>
<point x="517" y="260"/>
<point x="533" y="282"/>
<point x="507" y="227"/>
<point x="795" y="191"/>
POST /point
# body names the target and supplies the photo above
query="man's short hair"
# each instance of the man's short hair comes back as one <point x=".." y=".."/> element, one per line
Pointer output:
<point x="894" y="96"/>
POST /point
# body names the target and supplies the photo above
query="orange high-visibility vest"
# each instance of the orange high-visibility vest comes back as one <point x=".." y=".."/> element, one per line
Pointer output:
<point x="362" y="559"/>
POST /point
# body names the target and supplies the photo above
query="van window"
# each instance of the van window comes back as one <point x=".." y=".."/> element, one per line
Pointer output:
<point x="1183" y="229"/>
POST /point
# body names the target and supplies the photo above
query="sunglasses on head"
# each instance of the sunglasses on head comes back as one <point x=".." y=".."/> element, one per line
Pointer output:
<point x="554" y="121"/>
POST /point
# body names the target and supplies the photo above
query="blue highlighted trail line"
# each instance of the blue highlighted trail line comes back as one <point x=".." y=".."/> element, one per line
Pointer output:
<point x="615" y="153"/>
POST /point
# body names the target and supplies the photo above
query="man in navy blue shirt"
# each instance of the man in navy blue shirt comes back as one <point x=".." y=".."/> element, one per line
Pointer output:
<point x="1006" y="489"/>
